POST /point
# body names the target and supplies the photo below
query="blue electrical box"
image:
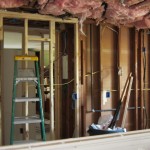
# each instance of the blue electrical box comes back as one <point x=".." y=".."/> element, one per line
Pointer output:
<point x="107" y="94"/>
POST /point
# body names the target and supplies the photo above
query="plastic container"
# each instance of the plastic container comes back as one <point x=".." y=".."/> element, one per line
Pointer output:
<point x="92" y="131"/>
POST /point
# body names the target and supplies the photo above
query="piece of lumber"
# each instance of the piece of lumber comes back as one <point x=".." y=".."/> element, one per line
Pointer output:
<point x="127" y="102"/>
<point x="76" y="81"/>
<point x="116" y="114"/>
<point x="29" y="16"/>
<point x="125" y="87"/>
<point x="39" y="39"/>
<point x="51" y="76"/>
<point x="25" y="65"/>
<point x="2" y="81"/>
<point x="136" y="80"/>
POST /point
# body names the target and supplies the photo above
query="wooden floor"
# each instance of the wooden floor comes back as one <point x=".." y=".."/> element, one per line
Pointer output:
<point x="135" y="140"/>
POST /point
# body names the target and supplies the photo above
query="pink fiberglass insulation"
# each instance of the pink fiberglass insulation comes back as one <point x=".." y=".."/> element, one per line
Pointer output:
<point x="143" y="24"/>
<point x="117" y="12"/>
<point x="12" y="3"/>
<point x="54" y="9"/>
<point x="79" y="8"/>
<point x="75" y="7"/>
<point x="41" y="2"/>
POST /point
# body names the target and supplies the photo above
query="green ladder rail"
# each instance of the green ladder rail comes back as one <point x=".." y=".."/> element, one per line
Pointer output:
<point x="16" y="80"/>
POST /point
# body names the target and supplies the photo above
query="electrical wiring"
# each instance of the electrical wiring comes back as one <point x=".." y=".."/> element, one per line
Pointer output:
<point x="112" y="29"/>
<point x="117" y="33"/>
<point x="64" y="83"/>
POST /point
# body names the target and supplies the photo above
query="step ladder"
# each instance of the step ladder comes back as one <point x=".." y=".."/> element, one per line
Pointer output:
<point x="26" y="75"/>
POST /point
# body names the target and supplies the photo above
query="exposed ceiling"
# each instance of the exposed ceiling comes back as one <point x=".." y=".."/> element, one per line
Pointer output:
<point x="118" y="12"/>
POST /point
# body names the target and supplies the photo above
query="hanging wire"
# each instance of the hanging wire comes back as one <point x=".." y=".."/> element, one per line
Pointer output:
<point x="112" y="29"/>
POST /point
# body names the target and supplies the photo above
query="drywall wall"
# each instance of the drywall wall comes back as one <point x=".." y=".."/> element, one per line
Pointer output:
<point x="16" y="43"/>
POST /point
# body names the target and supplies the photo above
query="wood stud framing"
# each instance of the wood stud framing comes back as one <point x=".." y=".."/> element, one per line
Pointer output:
<point x="116" y="41"/>
<point x="76" y="85"/>
<point x="118" y="48"/>
<point x="136" y="81"/>
<point x="42" y="70"/>
<point x="51" y="40"/>
<point x="83" y="82"/>
<point x="140" y="102"/>
<point x="100" y="53"/>
<point x="30" y="16"/>
<point x="58" y="77"/>
<point x="1" y="82"/>
<point x="55" y="116"/>
<point x="133" y="69"/>
<point x="25" y="52"/>
<point x="51" y="76"/>
<point x="148" y="47"/>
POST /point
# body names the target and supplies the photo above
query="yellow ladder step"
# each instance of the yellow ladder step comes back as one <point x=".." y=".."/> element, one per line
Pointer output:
<point x="28" y="58"/>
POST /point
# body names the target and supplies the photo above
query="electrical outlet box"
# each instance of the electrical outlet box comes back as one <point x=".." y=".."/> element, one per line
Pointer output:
<point x="106" y="96"/>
